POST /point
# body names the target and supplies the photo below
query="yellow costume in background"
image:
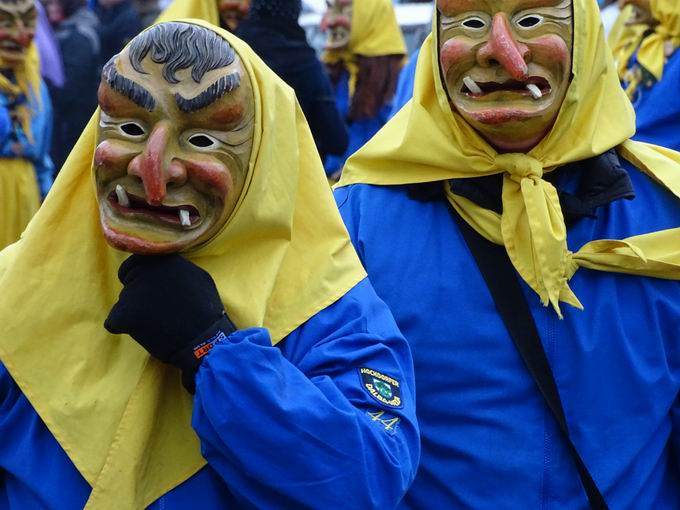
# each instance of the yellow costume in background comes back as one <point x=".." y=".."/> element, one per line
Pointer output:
<point x="654" y="43"/>
<point x="426" y="141"/>
<point x="374" y="33"/>
<point x="122" y="417"/>
<point x="19" y="193"/>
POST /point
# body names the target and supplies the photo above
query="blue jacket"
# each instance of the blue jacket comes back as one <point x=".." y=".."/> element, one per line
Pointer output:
<point x="488" y="439"/>
<point x="36" y="152"/>
<point x="407" y="80"/>
<point x="657" y="106"/>
<point x="360" y="131"/>
<point x="291" y="427"/>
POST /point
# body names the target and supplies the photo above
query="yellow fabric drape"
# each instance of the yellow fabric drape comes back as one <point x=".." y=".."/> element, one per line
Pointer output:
<point x="19" y="193"/>
<point x="426" y="141"/>
<point x="654" y="44"/>
<point x="122" y="417"/>
<point x="624" y="39"/>
<point x="375" y="33"/>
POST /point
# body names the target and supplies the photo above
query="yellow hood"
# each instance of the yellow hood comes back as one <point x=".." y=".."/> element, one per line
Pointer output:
<point x="122" y="417"/>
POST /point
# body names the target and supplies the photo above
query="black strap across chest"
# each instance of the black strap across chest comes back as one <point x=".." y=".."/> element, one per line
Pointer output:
<point x="501" y="279"/>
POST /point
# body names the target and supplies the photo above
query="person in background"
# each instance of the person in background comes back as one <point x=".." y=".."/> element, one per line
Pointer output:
<point x="119" y="22"/>
<point x="232" y="13"/>
<point x="77" y="29"/>
<point x="220" y="346"/>
<point x="25" y="121"/>
<point x="51" y="64"/>
<point x="508" y="221"/>
<point x="649" y="67"/>
<point x="272" y="30"/>
<point x="148" y="11"/>
<point x="364" y="53"/>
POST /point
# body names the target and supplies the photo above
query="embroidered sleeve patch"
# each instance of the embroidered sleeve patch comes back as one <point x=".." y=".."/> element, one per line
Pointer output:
<point x="381" y="387"/>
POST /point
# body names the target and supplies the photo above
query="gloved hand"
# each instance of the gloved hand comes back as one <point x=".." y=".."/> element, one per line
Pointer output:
<point x="172" y="308"/>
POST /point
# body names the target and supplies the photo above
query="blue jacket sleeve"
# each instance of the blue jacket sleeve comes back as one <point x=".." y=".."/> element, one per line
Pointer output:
<point x="324" y="420"/>
<point x="42" y="127"/>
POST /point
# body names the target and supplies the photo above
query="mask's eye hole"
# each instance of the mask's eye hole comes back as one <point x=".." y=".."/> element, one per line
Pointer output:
<point x="202" y="141"/>
<point x="132" y="129"/>
<point x="530" y="21"/>
<point x="475" y="23"/>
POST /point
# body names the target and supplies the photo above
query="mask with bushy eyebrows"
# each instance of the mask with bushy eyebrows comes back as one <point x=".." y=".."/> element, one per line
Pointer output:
<point x="337" y="22"/>
<point x="506" y="65"/>
<point x="174" y="139"/>
<point x="17" y="29"/>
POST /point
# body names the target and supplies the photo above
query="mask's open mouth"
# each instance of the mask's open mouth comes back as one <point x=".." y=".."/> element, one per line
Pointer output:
<point x="185" y="216"/>
<point x="535" y="86"/>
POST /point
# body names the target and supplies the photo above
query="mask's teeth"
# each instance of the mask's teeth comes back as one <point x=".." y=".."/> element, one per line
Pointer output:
<point x="472" y="85"/>
<point x="535" y="91"/>
<point x="122" y="196"/>
<point x="184" y="218"/>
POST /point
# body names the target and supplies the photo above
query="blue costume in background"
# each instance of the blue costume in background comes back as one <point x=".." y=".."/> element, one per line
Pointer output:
<point x="303" y="403"/>
<point x="407" y="79"/>
<point x="489" y="441"/>
<point x="657" y="105"/>
<point x="37" y="151"/>
<point x="360" y="131"/>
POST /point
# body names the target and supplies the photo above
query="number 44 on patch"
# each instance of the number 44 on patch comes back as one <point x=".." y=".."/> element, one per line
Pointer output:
<point x="387" y="422"/>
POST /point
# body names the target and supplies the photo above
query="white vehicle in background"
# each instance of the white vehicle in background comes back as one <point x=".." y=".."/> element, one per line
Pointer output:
<point x="415" y="20"/>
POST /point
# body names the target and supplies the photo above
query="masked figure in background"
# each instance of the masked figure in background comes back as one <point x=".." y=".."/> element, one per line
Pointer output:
<point x="506" y="204"/>
<point x="272" y="30"/>
<point x="646" y="51"/>
<point x="364" y="53"/>
<point x="77" y="29"/>
<point x="25" y="121"/>
<point x="303" y="384"/>
<point x="232" y="13"/>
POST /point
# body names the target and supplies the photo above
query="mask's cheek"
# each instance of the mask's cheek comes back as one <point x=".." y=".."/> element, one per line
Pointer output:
<point x="210" y="176"/>
<point x="553" y="53"/>
<point x="111" y="160"/>
<point x="456" y="56"/>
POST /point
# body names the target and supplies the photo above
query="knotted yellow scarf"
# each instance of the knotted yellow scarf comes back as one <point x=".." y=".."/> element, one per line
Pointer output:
<point x="375" y="33"/>
<point x="19" y="193"/>
<point x="653" y="49"/>
<point x="122" y="417"/>
<point x="426" y="141"/>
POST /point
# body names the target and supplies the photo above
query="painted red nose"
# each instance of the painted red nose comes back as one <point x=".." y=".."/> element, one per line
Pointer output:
<point x="504" y="49"/>
<point x="156" y="167"/>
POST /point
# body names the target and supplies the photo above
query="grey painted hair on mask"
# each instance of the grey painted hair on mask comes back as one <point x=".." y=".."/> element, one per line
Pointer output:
<point x="181" y="46"/>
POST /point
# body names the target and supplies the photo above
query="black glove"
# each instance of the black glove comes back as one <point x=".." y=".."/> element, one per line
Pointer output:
<point x="172" y="308"/>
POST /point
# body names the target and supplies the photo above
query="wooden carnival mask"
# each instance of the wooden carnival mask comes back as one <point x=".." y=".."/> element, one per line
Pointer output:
<point x="506" y="65"/>
<point x="17" y="29"/>
<point x="337" y="21"/>
<point x="232" y="12"/>
<point x="174" y="140"/>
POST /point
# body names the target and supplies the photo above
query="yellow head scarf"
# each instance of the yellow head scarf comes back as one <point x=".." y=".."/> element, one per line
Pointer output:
<point x="19" y="194"/>
<point x="374" y="33"/>
<point x="654" y="48"/>
<point x="426" y="141"/>
<point x="122" y="417"/>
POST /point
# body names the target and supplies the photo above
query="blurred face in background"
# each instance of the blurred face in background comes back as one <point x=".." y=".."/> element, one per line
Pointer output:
<point x="232" y="12"/>
<point x="17" y="29"/>
<point x="642" y="11"/>
<point x="337" y="22"/>
<point x="506" y="65"/>
<point x="55" y="11"/>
